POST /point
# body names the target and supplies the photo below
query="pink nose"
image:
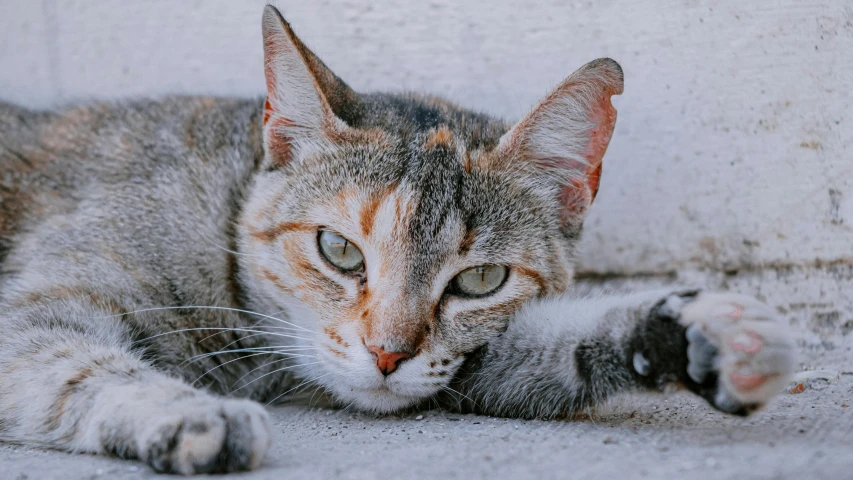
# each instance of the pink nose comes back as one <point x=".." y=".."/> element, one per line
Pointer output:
<point x="387" y="362"/>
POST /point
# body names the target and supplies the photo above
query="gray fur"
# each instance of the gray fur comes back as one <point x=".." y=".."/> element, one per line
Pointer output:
<point x="157" y="255"/>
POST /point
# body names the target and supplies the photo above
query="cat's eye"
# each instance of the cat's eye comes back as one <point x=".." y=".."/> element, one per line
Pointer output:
<point x="340" y="252"/>
<point x="480" y="280"/>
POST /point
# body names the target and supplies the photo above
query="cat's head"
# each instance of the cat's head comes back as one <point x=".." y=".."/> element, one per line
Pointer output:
<point x="404" y="232"/>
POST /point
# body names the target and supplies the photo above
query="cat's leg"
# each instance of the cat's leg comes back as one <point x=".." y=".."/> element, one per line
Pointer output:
<point x="71" y="379"/>
<point x="563" y="355"/>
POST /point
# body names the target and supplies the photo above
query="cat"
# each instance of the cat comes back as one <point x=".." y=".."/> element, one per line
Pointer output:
<point x="167" y="264"/>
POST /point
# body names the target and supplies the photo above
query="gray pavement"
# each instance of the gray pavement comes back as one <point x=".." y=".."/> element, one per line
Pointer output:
<point x="804" y="436"/>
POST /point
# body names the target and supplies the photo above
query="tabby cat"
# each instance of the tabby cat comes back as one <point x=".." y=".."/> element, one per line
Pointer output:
<point x="161" y="259"/>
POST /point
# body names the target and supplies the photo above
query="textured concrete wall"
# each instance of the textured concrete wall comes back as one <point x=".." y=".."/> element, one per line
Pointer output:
<point x="732" y="152"/>
<point x="733" y="143"/>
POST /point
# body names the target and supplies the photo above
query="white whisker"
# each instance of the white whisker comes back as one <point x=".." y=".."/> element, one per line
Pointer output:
<point x="258" y="368"/>
<point x="228" y="249"/>
<point x="445" y="387"/>
<point x="245" y="350"/>
<point x="201" y="307"/>
<point x="294" y="388"/>
<point x="274" y="371"/>
<point x="226" y="363"/>
<point x="243" y="338"/>
<point x="224" y="329"/>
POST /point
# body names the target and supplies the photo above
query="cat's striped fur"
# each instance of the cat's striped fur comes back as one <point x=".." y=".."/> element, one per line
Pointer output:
<point x="157" y="254"/>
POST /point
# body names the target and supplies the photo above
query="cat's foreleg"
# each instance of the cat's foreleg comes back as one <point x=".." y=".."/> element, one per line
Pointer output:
<point x="563" y="355"/>
<point x="71" y="379"/>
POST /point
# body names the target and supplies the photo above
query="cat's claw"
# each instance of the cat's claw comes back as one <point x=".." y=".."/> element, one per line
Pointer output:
<point x="738" y="352"/>
<point x="206" y="435"/>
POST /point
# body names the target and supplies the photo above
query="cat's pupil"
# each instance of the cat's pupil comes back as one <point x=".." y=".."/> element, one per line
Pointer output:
<point x="339" y="252"/>
<point x="480" y="280"/>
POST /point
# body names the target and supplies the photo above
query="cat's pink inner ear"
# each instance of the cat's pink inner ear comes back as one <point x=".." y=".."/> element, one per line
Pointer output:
<point x="295" y="111"/>
<point x="579" y="194"/>
<point x="567" y="134"/>
<point x="267" y="111"/>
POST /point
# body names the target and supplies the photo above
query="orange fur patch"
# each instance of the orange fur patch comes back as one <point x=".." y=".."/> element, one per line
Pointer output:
<point x="275" y="280"/>
<point x="337" y="353"/>
<point x="535" y="276"/>
<point x="273" y="233"/>
<point x="368" y="215"/>
<point x="440" y="137"/>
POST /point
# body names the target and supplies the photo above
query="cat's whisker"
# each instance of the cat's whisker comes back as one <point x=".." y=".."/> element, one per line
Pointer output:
<point x="239" y="340"/>
<point x="272" y="372"/>
<point x="232" y="343"/>
<point x="248" y="330"/>
<point x="448" y="388"/>
<point x="274" y="327"/>
<point x="228" y="249"/>
<point x="201" y="307"/>
<point x="255" y="325"/>
<point x="226" y="363"/>
<point x="347" y="407"/>
<point x="258" y="368"/>
<point x="318" y="389"/>
<point x="245" y="350"/>
<point x="294" y="388"/>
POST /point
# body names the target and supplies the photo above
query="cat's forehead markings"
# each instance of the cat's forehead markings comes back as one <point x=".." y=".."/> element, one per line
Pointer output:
<point x="467" y="241"/>
<point x="535" y="277"/>
<point x="368" y="214"/>
<point x="377" y="206"/>
<point x="272" y="233"/>
<point x="275" y="280"/>
<point x="440" y="137"/>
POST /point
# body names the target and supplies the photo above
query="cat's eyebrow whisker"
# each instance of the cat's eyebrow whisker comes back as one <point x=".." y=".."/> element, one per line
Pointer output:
<point x="294" y="388"/>
<point x="210" y="241"/>
<point x="201" y="307"/>
<point x="274" y="371"/>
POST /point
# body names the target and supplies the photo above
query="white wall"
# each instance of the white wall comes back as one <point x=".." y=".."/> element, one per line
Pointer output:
<point x="733" y="146"/>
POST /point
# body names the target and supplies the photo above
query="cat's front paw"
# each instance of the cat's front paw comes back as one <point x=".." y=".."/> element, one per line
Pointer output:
<point x="739" y="353"/>
<point x="205" y="435"/>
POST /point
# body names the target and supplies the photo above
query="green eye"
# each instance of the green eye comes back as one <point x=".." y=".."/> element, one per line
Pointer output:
<point x="340" y="252"/>
<point x="479" y="281"/>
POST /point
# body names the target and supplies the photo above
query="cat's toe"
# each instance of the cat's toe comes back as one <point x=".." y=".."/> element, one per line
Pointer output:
<point x="739" y="355"/>
<point x="756" y="360"/>
<point x="207" y="436"/>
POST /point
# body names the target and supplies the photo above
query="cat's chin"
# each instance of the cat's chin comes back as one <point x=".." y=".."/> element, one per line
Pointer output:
<point x="375" y="400"/>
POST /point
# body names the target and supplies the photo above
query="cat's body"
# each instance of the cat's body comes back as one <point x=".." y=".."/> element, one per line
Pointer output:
<point x="150" y="241"/>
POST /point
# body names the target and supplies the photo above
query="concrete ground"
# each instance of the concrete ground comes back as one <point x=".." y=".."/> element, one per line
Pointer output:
<point x="799" y="436"/>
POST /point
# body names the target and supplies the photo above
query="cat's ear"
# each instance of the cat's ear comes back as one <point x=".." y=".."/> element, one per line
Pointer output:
<point x="566" y="134"/>
<point x="297" y="113"/>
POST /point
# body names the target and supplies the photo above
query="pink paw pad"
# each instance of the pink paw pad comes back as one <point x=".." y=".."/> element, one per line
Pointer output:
<point x="744" y="381"/>
<point x="747" y="342"/>
<point x="737" y="313"/>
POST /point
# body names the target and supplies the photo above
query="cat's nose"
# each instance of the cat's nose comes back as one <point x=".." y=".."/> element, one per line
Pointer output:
<point x="387" y="362"/>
